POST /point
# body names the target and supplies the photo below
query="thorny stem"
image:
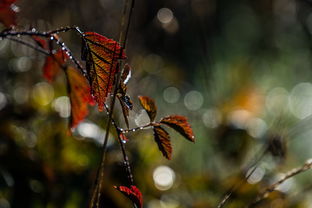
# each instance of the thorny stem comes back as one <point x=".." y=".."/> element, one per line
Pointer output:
<point x="306" y="166"/>
<point x="122" y="40"/>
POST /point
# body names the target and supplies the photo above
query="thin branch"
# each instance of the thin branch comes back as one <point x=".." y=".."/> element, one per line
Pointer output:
<point x="125" y="131"/>
<point x="70" y="54"/>
<point x="63" y="29"/>
<point x="306" y="166"/>
<point x="36" y="48"/>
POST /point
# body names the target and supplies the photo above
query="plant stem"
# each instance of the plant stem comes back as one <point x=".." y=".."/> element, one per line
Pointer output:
<point x="306" y="166"/>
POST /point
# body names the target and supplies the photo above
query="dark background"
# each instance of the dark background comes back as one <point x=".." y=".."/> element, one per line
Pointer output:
<point x="239" y="70"/>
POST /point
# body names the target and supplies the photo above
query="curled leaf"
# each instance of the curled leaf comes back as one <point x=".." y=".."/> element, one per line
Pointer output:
<point x="79" y="94"/>
<point x="180" y="124"/>
<point x="126" y="74"/>
<point x="162" y="139"/>
<point x="53" y="64"/>
<point x="133" y="193"/>
<point x="149" y="105"/>
<point x="8" y="13"/>
<point x="101" y="55"/>
<point x="124" y="99"/>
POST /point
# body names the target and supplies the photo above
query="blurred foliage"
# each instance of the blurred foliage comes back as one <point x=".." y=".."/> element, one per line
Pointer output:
<point x="239" y="70"/>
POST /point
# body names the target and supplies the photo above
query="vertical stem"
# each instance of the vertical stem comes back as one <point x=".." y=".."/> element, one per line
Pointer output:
<point x="122" y="39"/>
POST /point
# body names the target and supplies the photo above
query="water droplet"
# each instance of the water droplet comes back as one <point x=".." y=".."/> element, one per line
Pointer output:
<point x="124" y="141"/>
<point x="33" y="30"/>
<point x="141" y="128"/>
<point x="18" y="35"/>
<point x="51" y="38"/>
<point x="70" y="57"/>
<point x="63" y="44"/>
<point x="63" y="48"/>
<point x="133" y="130"/>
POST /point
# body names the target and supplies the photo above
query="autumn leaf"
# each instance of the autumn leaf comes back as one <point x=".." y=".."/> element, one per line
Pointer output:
<point x="133" y="193"/>
<point x="79" y="94"/>
<point x="162" y="139"/>
<point x="180" y="124"/>
<point x="7" y="13"/>
<point x="53" y="63"/>
<point x="101" y="55"/>
<point x="149" y="105"/>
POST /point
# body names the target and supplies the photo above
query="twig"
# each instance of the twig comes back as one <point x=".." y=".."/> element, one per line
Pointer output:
<point x="307" y="165"/>
<point x="125" y="131"/>
<point x="9" y="34"/>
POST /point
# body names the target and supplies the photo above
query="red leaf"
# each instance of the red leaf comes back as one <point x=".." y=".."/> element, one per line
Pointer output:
<point x="7" y="14"/>
<point x="133" y="193"/>
<point x="162" y="139"/>
<point x="101" y="55"/>
<point x="79" y="94"/>
<point x="53" y="63"/>
<point x="180" y="124"/>
<point x="149" y="105"/>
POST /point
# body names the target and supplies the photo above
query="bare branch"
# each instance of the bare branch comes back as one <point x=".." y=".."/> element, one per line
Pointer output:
<point x="306" y="166"/>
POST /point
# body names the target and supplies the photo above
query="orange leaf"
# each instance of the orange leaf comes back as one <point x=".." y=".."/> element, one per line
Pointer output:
<point x="79" y="94"/>
<point x="101" y="55"/>
<point x="149" y="105"/>
<point x="7" y="14"/>
<point x="162" y="139"/>
<point x="180" y="124"/>
<point x="133" y="193"/>
<point x="53" y="63"/>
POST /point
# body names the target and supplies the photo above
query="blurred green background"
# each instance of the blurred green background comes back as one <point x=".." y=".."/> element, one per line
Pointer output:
<point x="239" y="70"/>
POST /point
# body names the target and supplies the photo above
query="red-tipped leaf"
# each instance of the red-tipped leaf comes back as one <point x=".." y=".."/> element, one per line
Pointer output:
<point x="101" y="55"/>
<point x="149" y="105"/>
<point x="133" y="193"/>
<point x="162" y="139"/>
<point x="180" y="124"/>
<point x="79" y="94"/>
